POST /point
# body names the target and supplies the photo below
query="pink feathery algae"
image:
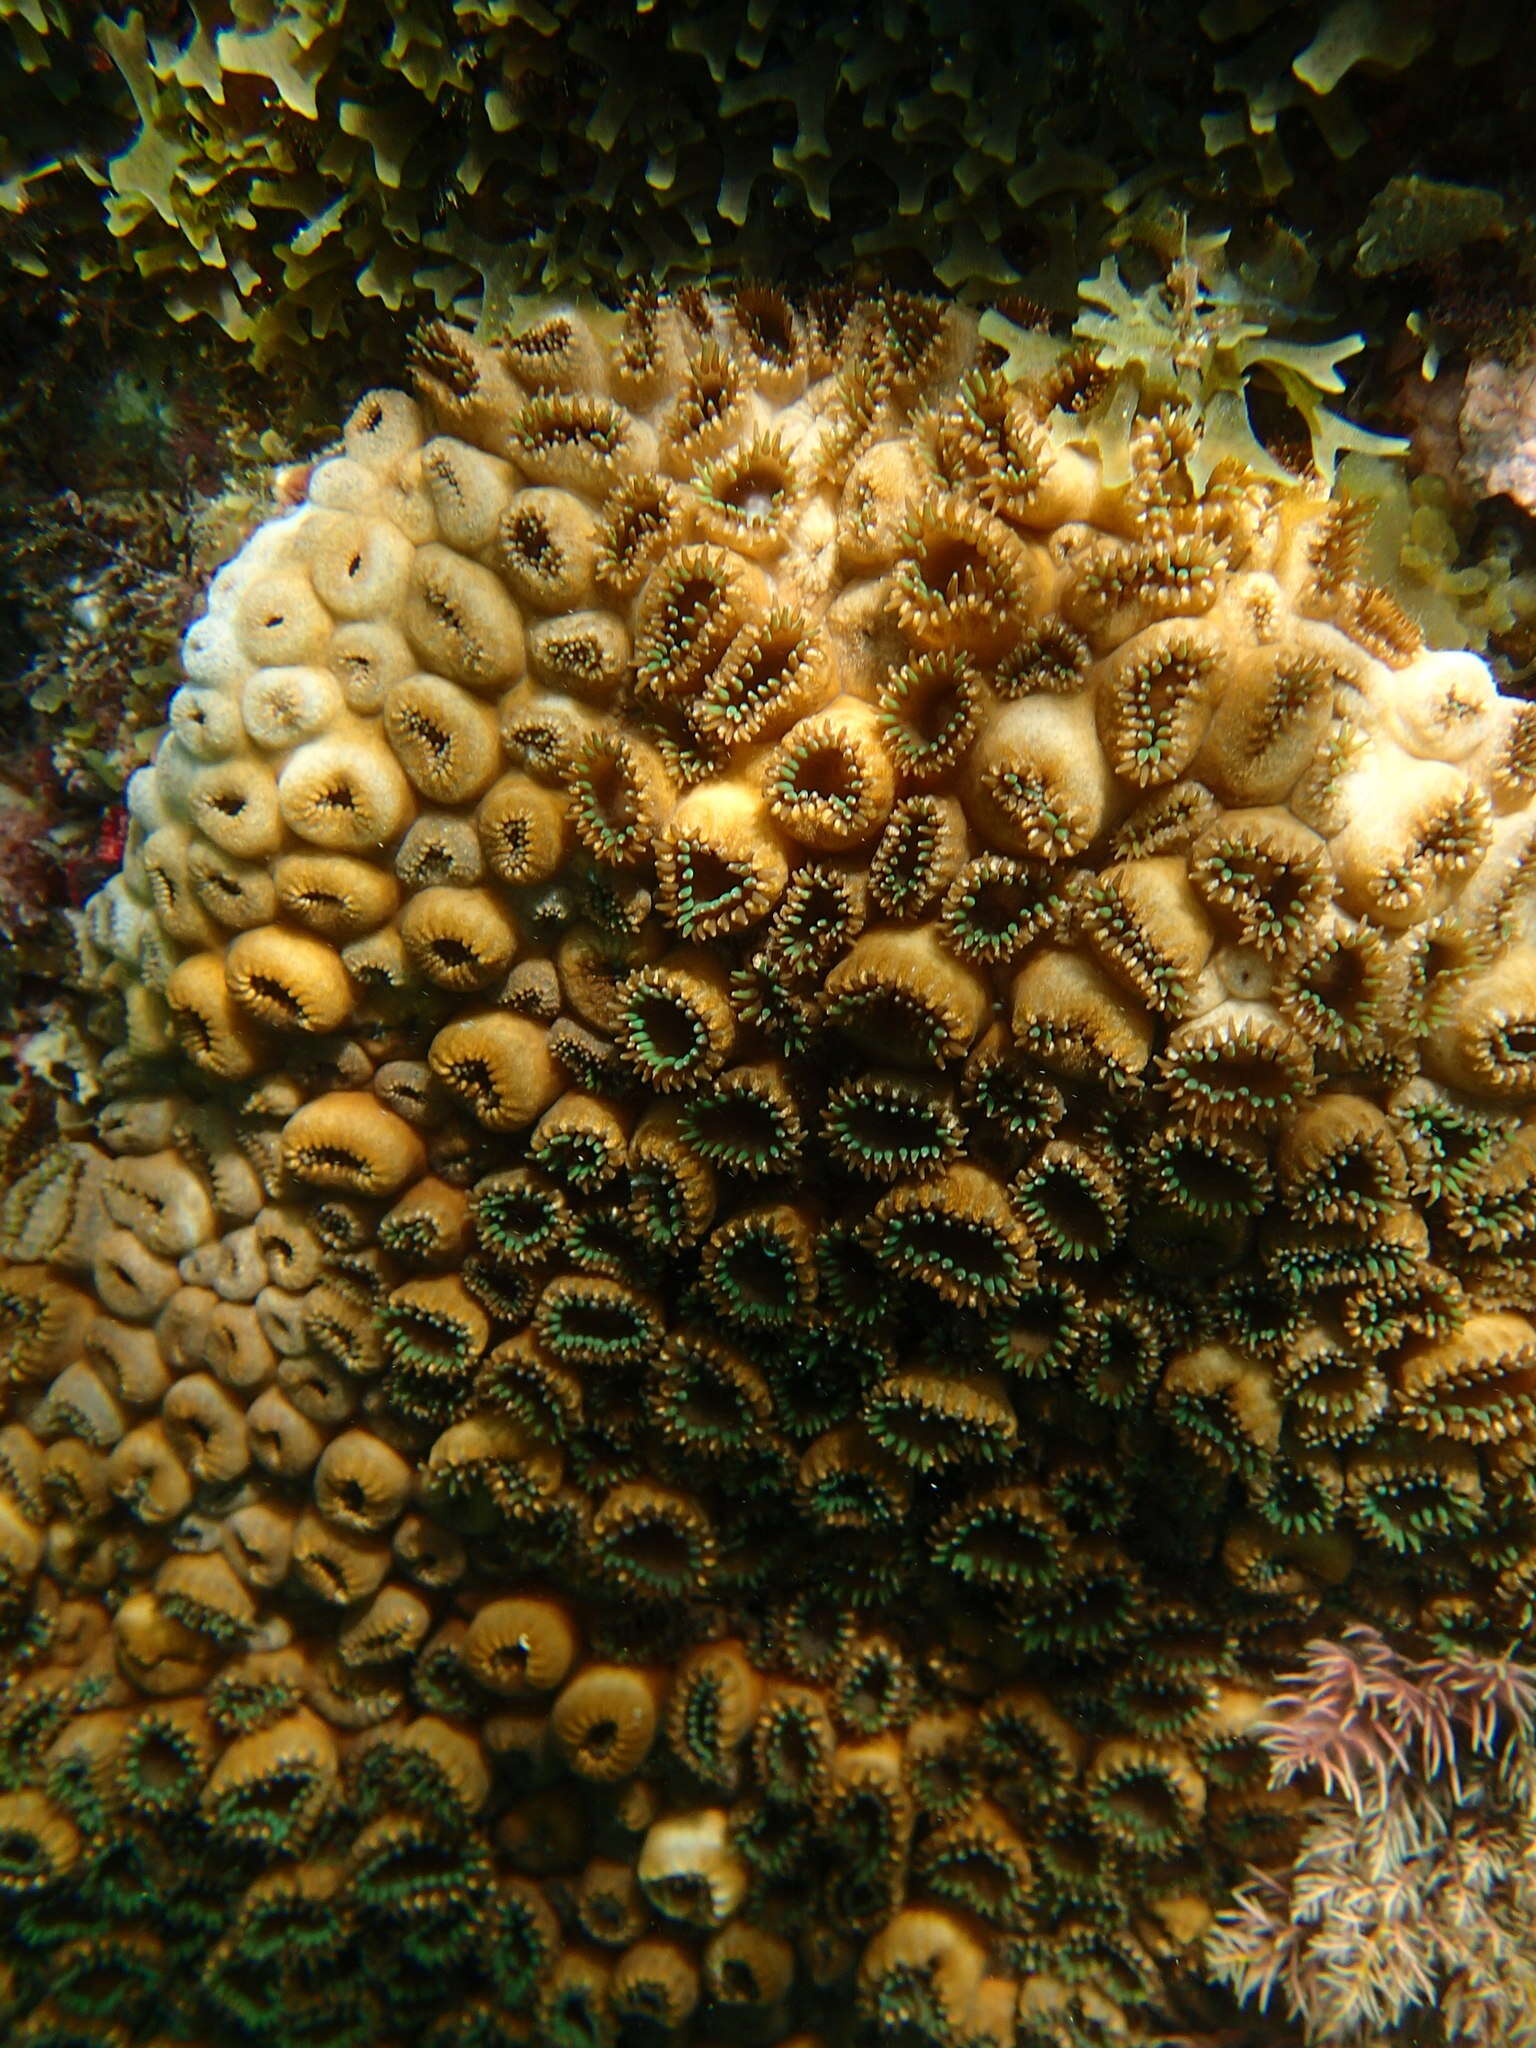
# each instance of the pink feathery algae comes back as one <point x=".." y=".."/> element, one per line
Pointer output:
<point x="1413" y="1890"/>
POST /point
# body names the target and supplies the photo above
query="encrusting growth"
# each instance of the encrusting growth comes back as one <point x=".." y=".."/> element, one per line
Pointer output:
<point x="819" y="1111"/>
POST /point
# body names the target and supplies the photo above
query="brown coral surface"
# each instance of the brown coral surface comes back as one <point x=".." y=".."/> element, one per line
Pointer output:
<point x="812" y="1123"/>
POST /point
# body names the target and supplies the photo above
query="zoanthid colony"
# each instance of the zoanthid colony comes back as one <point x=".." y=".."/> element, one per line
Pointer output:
<point x="813" y="1125"/>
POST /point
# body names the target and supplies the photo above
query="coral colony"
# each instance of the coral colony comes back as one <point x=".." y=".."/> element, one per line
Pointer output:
<point x="817" y="1125"/>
